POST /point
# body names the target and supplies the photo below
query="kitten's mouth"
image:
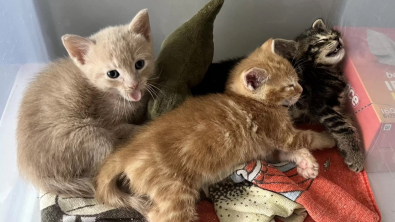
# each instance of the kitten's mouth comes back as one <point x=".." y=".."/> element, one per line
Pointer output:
<point x="133" y="96"/>
<point x="335" y="51"/>
<point x="291" y="101"/>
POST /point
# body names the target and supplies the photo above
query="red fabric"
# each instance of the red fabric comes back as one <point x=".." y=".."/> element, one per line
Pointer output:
<point x="206" y="212"/>
<point x="348" y="192"/>
<point x="337" y="194"/>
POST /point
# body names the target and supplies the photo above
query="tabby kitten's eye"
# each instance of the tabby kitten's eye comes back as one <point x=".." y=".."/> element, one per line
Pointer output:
<point x="139" y="64"/>
<point x="321" y="41"/>
<point x="291" y="86"/>
<point x="113" y="74"/>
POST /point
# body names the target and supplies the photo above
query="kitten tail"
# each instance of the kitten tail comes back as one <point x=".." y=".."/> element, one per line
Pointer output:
<point x="107" y="190"/>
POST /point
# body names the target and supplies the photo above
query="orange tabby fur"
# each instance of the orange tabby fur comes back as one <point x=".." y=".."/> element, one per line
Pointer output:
<point x="201" y="141"/>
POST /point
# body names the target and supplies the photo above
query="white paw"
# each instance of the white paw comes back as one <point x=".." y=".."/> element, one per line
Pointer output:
<point x="307" y="166"/>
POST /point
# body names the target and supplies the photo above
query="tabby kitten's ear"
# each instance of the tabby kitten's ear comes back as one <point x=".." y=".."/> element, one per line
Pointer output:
<point x="284" y="48"/>
<point x="140" y="24"/>
<point x="319" y="23"/>
<point x="77" y="47"/>
<point x="254" y="78"/>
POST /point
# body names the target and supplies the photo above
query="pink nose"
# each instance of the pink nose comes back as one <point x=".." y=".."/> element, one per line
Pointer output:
<point x="134" y="86"/>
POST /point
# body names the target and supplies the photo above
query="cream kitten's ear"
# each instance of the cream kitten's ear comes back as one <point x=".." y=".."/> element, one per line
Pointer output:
<point x="319" y="23"/>
<point x="254" y="78"/>
<point x="77" y="47"/>
<point x="284" y="48"/>
<point x="140" y="24"/>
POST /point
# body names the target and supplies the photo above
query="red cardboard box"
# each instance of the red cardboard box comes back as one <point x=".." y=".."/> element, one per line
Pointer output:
<point x="372" y="91"/>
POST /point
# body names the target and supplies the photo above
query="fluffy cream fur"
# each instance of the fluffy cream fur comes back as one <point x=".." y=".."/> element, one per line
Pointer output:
<point x="72" y="115"/>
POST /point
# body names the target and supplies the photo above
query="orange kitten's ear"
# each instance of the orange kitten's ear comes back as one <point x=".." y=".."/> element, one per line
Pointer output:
<point x="254" y="78"/>
<point x="77" y="47"/>
<point x="140" y="24"/>
<point x="319" y="23"/>
<point x="284" y="48"/>
<point x="267" y="46"/>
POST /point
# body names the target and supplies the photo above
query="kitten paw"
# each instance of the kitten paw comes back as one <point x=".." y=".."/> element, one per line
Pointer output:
<point x="355" y="161"/>
<point x="353" y="156"/>
<point x="307" y="166"/>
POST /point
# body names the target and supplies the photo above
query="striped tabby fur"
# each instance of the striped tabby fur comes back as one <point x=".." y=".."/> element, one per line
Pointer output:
<point x="316" y="55"/>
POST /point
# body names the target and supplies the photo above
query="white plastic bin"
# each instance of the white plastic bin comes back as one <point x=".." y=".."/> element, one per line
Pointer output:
<point x="30" y="36"/>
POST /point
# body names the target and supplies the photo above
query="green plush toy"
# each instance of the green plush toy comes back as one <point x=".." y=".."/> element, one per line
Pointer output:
<point x="184" y="59"/>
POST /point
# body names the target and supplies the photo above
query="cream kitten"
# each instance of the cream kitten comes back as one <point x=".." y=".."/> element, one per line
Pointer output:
<point x="77" y="109"/>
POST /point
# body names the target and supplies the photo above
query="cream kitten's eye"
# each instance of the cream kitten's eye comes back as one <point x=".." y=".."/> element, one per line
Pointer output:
<point x="113" y="74"/>
<point x="291" y="86"/>
<point x="139" y="64"/>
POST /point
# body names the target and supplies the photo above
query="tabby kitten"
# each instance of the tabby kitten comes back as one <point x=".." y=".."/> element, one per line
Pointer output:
<point x="205" y="138"/>
<point x="77" y="109"/>
<point x="316" y="55"/>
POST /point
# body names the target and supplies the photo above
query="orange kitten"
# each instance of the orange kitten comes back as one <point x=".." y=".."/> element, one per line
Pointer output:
<point x="77" y="109"/>
<point x="201" y="141"/>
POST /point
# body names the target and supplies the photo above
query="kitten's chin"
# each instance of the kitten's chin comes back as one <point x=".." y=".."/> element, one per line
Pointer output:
<point x="334" y="59"/>
<point x="286" y="103"/>
<point x="289" y="102"/>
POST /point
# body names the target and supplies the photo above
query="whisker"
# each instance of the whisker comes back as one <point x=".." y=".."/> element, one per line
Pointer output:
<point x="155" y="87"/>
<point x="157" y="77"/>
<point x="140" y="48"/>
<point x="161" y="85"/>
<point x="144" y="55"/>
<point x="149" y="92"/>
<point x="153" y="91"/>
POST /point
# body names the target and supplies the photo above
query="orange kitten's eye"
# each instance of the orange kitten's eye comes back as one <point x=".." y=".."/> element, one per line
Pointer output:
<point x="113" y="74"/>
<point x="289" y="87"/>
<point x="139" y="64"/>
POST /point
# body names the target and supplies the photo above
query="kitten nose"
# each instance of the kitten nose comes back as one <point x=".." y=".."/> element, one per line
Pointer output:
<point x="300" y="90"/>
<point x="134" y="85"/>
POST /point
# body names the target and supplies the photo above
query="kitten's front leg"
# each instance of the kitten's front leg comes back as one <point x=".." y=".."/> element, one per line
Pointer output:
<point x="307" y="139"/>
<point x="346" y="135"/>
